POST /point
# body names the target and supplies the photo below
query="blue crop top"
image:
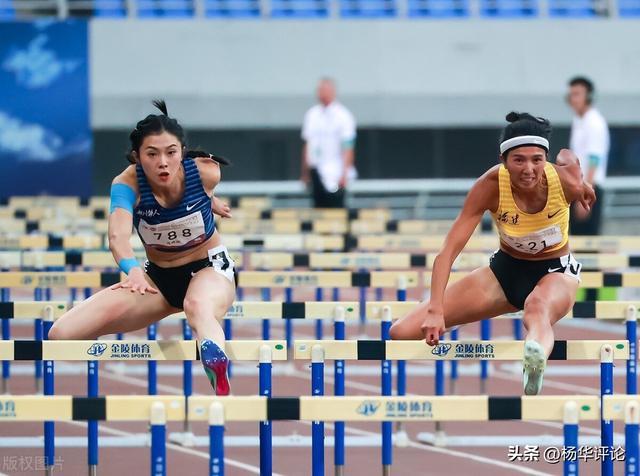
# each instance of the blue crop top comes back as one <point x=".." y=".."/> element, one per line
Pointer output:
<point x="184" y="226"/>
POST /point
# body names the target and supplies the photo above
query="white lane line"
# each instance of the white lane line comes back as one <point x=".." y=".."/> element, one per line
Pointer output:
<point x="231" y="462"/>
<point x="449" y="452"/>
<point x="549" y="383"/>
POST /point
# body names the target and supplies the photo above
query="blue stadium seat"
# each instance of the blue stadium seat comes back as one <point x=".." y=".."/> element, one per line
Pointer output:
<point x="7" y="11"/>
<point x="164" y="9"/>
<point x="439" y="8"/>
<point x="299" y="8"/>
<point x="572" y="8"/>
<point x="109" y="8"/>
<point x="629" y="8"/>
<point x="509" y="8"/>
<point x="232" y="8"/>
<point x="368" y="8"/>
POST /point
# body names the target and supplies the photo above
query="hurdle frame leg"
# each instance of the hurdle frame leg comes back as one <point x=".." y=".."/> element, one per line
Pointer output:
<point x="402" y="439"/>
<point x="266" y="325"/>
<point x="339" y="390"/>
<point x="570" y="432"/>
<point x="228" y="335"/>
<point x="92" y="425"/>
<point x="631" y="434"/>
<point x="5" y="295"/>
<point x="49" y="389"/>
<point x="517" y="329"/>
<point x="288" y="324"/>
<point x="318" y="323"/>
<point x="216" y="439"/>
<point x="152" y="365"/>
<point x="632" y="336"/>
<point x="187" y="379"/>
<point x="386" y="387"/>
<point x="265" y="427"/>
<point x="317" y="427"/>
<point x="37" y="335"/>
<point x="158" y="439"/>
<point x="606" y="426"/>
<point x="453" y="376"/>
<point x="362" y="299"/>
<point x="185" y="437"/>
<point x="485" y="334"/>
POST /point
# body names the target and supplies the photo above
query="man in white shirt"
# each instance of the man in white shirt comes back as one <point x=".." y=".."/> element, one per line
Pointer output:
<point x="590" y="142"/>
<point x="329" y="133"/>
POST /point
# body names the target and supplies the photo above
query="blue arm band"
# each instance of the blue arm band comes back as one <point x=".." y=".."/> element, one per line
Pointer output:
<point x="126" y="264"/>
<point x="594" y="160"/>
<point x="122" y="196"/>
<point x="348" y="144"/>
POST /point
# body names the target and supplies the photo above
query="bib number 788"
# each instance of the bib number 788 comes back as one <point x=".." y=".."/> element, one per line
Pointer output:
<point x="172" y="235"/>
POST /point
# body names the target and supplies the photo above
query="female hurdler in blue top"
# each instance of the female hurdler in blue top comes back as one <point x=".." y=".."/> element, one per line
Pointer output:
<point x="166" y="194"/>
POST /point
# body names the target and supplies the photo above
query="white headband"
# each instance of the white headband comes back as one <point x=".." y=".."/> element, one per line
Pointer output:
<point x="523" y="140"/>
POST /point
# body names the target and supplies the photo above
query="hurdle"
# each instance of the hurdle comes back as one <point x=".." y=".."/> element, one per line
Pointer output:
<point x="149" y="350"/>
<point x="320" y="242"/>
<point x="93" y="241"/>
<point x="281" y="260"/>
<point x="384" y="350"/>
<point x="240" y="310"/>
<point x="351" y="310"/>
<point x="570" y="409"/>
<point x="283" y="279"/>
<point x="488" y="243"/>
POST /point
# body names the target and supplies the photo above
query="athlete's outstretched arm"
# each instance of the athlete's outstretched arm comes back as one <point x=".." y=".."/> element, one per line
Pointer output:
<point x="573" y="184"/>
<point x="210" y="175"/>
<point x="123" y="198"/>
<point x="482" y="196"/>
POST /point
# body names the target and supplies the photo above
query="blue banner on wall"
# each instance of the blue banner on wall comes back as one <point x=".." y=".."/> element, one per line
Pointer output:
<point x="45" y="130"/>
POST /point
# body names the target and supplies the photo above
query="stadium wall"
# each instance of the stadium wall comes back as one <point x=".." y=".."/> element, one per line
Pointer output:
<point x="431" y="95"/>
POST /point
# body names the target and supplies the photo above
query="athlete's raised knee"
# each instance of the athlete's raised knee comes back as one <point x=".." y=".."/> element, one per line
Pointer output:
<point x="399" y="331"/>
<point x="534" y="305"/>
<point x="536" y="314"/>
<point x="60" y="331"/>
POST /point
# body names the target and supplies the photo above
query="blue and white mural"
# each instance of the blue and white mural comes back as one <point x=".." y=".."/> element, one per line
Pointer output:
<point x="45" y="131"/>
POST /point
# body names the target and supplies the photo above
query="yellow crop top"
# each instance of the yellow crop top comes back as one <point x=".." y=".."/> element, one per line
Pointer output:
<point x="533" y="233"/>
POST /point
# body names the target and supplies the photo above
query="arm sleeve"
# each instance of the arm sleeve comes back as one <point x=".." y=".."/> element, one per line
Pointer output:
<point x="348" y="130"/>
<point x="122" y="196"/>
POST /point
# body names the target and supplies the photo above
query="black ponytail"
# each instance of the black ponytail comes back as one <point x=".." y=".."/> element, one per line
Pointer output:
<point x="154" y="124"/>
<point x="193" y="154"/>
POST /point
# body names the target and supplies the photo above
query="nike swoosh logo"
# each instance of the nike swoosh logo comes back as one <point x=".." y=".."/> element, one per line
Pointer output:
<point x="551" y="215"/>
<point x="189" y="207"/>
<point x="553" y="270"/>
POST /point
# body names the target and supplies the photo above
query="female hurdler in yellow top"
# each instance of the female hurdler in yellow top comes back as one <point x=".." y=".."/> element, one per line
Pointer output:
<point x="533" y="270"/>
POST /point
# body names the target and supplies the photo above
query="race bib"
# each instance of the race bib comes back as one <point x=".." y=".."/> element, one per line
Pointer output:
<point x="536" y="242"/>
<point x="180" y="232"/>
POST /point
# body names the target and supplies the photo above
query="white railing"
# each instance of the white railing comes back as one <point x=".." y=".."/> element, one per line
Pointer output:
<point x="433" y="198"/>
